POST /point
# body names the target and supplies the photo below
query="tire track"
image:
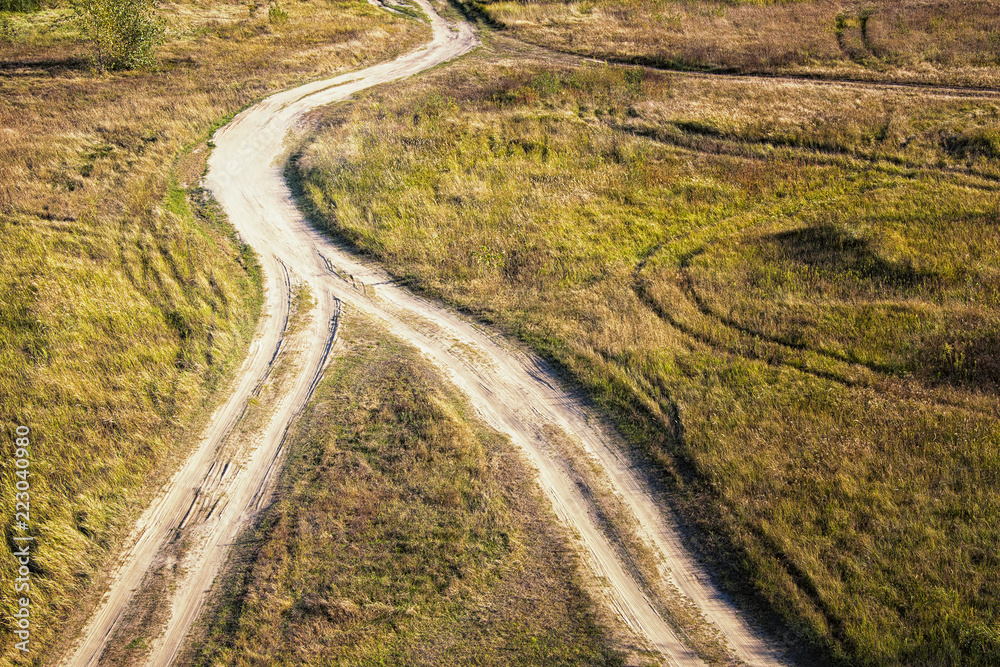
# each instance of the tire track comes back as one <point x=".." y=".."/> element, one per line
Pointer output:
<point x="213" y="497"/>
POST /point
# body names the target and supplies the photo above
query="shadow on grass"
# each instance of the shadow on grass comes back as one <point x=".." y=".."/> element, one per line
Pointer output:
<point x="971" y="360"/>
<point x="51" y="66"/>
<point x="832" y="248"/>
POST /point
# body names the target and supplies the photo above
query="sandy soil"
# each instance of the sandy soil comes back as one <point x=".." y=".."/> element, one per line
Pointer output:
<point x="212" y="498"/>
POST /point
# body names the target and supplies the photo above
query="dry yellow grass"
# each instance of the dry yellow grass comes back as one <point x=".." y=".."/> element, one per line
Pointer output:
<point x="884" y="40"/>
<point x="125" y="299"/>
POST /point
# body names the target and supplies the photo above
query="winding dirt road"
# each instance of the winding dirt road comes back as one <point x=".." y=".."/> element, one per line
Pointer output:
<point x="214" y="496"/>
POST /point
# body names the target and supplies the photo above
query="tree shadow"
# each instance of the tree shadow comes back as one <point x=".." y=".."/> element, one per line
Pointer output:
<point x="834" y="249"/>
<point x="969" y="358"/>
<point x="25" y="67"/>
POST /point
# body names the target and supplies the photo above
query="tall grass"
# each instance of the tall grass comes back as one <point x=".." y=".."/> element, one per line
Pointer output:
<point x="18" y="5"/>
<point x="785" y="295"/>
<point x="126" y="300"/>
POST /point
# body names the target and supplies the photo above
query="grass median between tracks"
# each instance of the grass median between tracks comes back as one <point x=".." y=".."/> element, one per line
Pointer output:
<point x="404" y="531"/>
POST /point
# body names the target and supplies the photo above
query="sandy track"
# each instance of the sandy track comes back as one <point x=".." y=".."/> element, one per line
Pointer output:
<point x="514" y="391"/>
<point x="213" y="499"/>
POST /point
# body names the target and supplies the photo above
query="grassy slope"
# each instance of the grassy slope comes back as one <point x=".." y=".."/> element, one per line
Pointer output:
<point x="909" y="40"/>
<point x="786" y="295"/>
<point x="405" y="532"/>
<point x="123" y="309"/>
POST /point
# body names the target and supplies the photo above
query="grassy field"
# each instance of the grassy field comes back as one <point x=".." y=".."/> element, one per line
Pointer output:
<point x="885" y="40"/>
<point x="405" y="532"/>
<point x="125" y="298"/>
<point x="785" y="294"/>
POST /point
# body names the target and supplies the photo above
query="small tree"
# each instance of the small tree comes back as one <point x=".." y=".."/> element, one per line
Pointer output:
<point x="124" y="34"/>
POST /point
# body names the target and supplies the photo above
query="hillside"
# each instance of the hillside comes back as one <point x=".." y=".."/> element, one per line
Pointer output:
<point x="784" y="291"/>
<point x="759" y="239"/>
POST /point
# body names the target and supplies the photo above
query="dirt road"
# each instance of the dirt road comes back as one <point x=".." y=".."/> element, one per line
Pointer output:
<point x="212" y="497"/>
